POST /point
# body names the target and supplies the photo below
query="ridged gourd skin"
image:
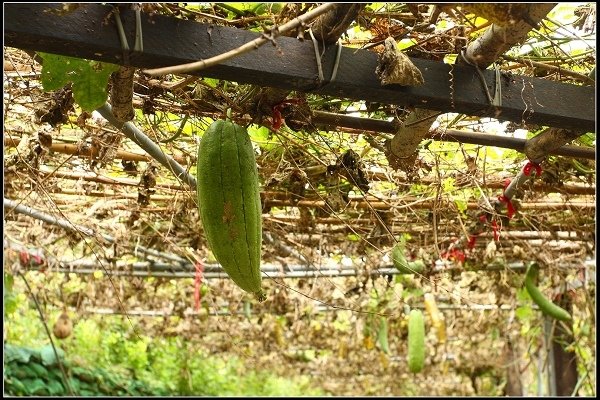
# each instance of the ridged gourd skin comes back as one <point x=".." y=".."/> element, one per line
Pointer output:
<point x="416" y="341"/>
<point x="229" y="202"/>
<point x="545" y="305"/>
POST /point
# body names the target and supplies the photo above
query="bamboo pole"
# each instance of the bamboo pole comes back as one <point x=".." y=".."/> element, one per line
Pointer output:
<point x="373" y="175"/>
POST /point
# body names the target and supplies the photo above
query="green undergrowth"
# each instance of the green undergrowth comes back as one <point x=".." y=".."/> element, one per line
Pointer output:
<point x="36" y="372"/>
<point x="118" y="361"/>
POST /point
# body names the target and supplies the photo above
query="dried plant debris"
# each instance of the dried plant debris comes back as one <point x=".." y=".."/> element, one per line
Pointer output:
<point x="104" y="147"/>
<point x="351" y="167"/>
<point x="298" y="116"/>
<point x="147" y="183"/>
<point x="394" y="67"/>
<point x="56" y="111"/>
<point x="34" y="152"/>
<point x="587" y="18"/>
<point x="505" y="14"/>
<point x="337" y="199"/>
<point x="297" y="182"/>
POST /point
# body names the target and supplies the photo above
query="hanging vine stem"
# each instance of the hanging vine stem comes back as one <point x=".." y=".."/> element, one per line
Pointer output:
<point x="179" y="131"/>
<point x="254" y="44"/>
<point x="17" y="206"/>
<point x="39" y="309"/>
<point x="20" y="208"/>
<point x="386" y="227"/>
<point x="284" y="143"/>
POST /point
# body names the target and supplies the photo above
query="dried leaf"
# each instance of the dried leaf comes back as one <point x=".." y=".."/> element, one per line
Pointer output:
<point x="395" y="67"/>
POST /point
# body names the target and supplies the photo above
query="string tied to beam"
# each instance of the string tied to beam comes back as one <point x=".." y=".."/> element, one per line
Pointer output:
<point x="495" y="101"/>
<point x="336" y="63"/>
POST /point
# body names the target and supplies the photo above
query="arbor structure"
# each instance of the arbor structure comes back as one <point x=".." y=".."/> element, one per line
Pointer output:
<point x="349" y="167"/>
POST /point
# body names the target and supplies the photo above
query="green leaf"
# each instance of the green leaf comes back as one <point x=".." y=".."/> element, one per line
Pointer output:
<point x="14" y="353"/>
<point x="589" y="139"/>
<point x="266" y="8"/>
<point x="258" y="133"/>
<point x="39" y="369"/>
<point x="461" y="205"/>
<point x="448" y="185"/>
<point x="10" y="300"/>
<point x="418" y="189"/>
<point x="55" y="388"/>
<point x="495" y="333"/>
<point x="35" y="386"/>
<point x="10" y="303"/>
<point x="262" y="136"/>
<point x="211" y="82"/>
<point x="48" y="356"/>
<point x="523" y="295"/>
<point x="353" y="237"/>
<point x="308" y="354"/>
<point x="524" y="313"/>
<point x="15" y="387"/>
<point x="89" y="78"/>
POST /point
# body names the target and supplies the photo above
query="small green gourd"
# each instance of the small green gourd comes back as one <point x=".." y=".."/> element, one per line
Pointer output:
<point x="545" y="305"/>
<point x="400" y="262"/>
<point x="416" y="341"/>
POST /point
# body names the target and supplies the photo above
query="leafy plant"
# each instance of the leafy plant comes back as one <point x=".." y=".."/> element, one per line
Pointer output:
<point x="163" y="365"/>
<point x="89" y="78"/>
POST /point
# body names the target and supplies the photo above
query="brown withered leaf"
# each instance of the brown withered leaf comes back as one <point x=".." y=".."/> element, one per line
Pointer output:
<point x="394" y="67"/>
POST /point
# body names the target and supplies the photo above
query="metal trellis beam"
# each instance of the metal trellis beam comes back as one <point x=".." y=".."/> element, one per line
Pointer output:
<point x="291" y="65"/>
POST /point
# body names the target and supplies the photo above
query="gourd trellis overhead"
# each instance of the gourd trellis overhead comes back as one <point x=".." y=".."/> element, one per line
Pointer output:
<point x="89" y="34"/>
<point x="561" y="225"/>
<point x="171" y="41"/>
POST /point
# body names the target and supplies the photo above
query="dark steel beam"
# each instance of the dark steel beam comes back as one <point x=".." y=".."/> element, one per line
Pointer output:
<point x="90" y="32"/>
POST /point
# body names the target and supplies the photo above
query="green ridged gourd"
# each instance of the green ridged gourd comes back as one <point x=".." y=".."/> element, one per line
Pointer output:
<point x="229" y="202"/>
